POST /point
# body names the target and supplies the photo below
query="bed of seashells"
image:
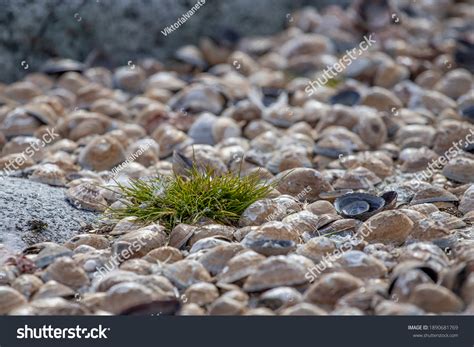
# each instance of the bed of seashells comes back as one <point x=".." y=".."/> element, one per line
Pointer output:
<point x="345" y="159"/>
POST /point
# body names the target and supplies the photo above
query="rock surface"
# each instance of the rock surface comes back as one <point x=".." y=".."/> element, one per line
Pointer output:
<point x="26" y="205"/>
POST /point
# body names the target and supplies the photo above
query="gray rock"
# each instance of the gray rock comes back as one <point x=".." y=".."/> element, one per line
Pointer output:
<point x="33" y="212"/>
<point x="123" y="30"/>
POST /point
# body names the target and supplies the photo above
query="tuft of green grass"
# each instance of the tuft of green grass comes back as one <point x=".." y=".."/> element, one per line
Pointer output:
<point x="176" y="199"/>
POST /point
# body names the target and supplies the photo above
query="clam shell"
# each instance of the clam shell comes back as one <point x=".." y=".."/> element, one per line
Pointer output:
<point x="87" y="196"/>
<point x="358" y="205"/>
<point x="53" y="289"/>
<point x="437" y="299"/>
<point x="185" y="273"/>
<point x="240" y="266"/>
<point x="216" y="259"/>
<point x="201" y="293"/>
<point x="102" y="153"/>
<point x="10" y="299"/>
<point x="50" y="307"/>
<point x="49" y="174"/>
<point x="64" y="270"/>
<point x="328" y="289"/>
<point x="180" y="235"/>
<point x="275" y="272"/>
<point x="433" y="194"/>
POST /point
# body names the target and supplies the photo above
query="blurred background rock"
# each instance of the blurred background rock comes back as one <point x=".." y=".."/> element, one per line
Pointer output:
<point x="31" y="31"/>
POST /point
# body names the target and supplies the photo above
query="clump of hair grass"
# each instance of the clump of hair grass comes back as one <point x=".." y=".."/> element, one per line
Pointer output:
<point x="176" y="199"/>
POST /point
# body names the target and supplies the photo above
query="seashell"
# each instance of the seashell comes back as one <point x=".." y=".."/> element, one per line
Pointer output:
<point x="65" y="271"/>
<point x="467" y="200"/>
<point x="328" y="289"/>
<point x="240" y="266"/>
<point x="294" y="182"/>
<point x="425" y="229"/>
<point x="57" y="67"/>
<point x="22" y="91"/>
<point x="86" y="196"/>
<point x="191" y="55"/>
<point x="180" y="235"/>
<point x="21" y="144"/>
<point x="436" y="299"/>
<point x="363" y="298"/>
<point x="387" y="227"/>
<point x="303" y="221"/>
<point x="339" y="227"/>
<point x="347" y="97"/>
<point x="99" y="75"/>
<point x="191" y="310"/>
<point x="46" y="253"/>
<point x="165" y="307"/>
<point x="126" y="225"/>
<point x="265" y="210"/>
<point x="381" y="99"/>
<point x="19" y="123"/>
<point x="10" y="299"/>
<point x="164" y="254"/>
<point x="460" y="169"/>
<point x="165" y="80"/>
<point x="53" y="289"/>
<point x="96" y="241"/>
<point x="468" y="113"/>
<point x="407" y="275"/>
<point x="362" y="205"/>
<point x="373" y="15"/>
<point x="357" y="178"/>
<point x="225" y="128"/>
<point x="110" y="109"/>
<point x="27" y="284"/>
<point x="201" y="130"/>
<point x="81" y="123"/>
<point x="102" y="153"/>
<point x="196" y="98"/>
<point x="207" y="243"/>
<point x="372" y="130"/>
<point x="361" y="265"/>
<point x="455" y="83"/>
<point x="216" y="259"/>
<point x="126" y="295"/>
<point x="316" y="248"/>
<point x="415" y="135"/>
<point x="211" y="230"/>
<point x="225" y="306"/>
<point x="49" y="174"/>
<point x="152" y="115"/>
<point x="141" y="241"/>
<point x="274" y="272"/>
<point x="303" y="309"/>
<point x="288" y="159"/>
<point x="138" y="266"/>
<point x="321" y="207"/>
<point x="128" y="79"/>
<point x="50" y="307"/>
<point x="201" y="293"/>
<point x="389" y="74"/>
<point x="389" y="308"/>
<point x="280" y="297"/>
<point x="426" y="252"/>
<point x="185" y="273"/>
<point x="170" y="139"/>
<point x="416" y="159"/>
<point x="103" y="282"/>
<point x="19" y="160"/>
<point x="432" y="194"/>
